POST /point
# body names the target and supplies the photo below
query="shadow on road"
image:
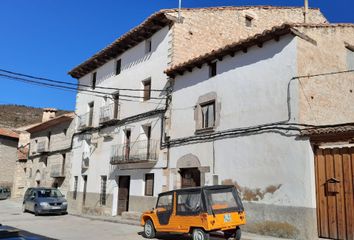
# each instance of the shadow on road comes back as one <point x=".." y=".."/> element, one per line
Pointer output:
<point x="8" y="232"/>
<point x="167" y="236"/>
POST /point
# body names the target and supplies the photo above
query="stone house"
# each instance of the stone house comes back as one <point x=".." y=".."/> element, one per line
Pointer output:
<point x="272" y="114"/>
<point x="118" y="163"/>
<point x="49" y="157"/>
<point x="8" y="156"/>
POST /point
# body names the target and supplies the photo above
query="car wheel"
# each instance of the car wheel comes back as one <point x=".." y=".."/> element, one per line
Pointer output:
<point x="238" y="233"/>
<point x="24" y="208"/>
<point x="36" y="213"/>
<point x="229" y="234"/>
<point x="149" y="229"/>
<point x="199" y="234"/>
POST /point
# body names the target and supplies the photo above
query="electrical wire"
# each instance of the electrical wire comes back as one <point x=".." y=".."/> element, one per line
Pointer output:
<point x="75" y="84"/>
<point x="70" y="88"/>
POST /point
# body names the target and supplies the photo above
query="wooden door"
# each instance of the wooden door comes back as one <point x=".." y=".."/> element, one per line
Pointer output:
<point x="190" y="177"/>
<point x="334" y="190"/>
<point x="123" y="194"/>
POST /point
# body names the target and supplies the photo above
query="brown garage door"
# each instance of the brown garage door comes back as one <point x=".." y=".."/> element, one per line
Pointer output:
<point x="334" y="187"/>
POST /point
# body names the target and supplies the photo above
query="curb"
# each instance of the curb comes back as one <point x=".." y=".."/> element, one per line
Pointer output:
<point x="128" y="222"/>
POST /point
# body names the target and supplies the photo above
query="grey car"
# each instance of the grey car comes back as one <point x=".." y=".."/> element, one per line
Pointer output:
<point x="4" y="193"/>
<point x="44" y="201"/>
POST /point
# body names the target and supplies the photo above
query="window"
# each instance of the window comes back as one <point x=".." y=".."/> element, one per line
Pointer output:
<point x="212" y="69"/>
<point x="189" y="203"/>
<point x="208" y="115"/>
<point x="45" y="161"/>
<point x="149" y="184"/>
<point x="248" y="21"/>
<point x="94" y="78"/>
<point x="103" y="190"/>
<point x="165" y="203"/>
<point x="148" y="46"/>
<point x="350" y="56"/>
<point x="116" y="106"/>
<point x="30" y="173"/>
<point x="65" y="131"/>
<point x="75" y="187"/>
<point x="49" y="137"/>
<point x="63" y="165"/>
<point x="118" y="66"/>
<point x="90" y="117"/>
<point x="147" y="89"/>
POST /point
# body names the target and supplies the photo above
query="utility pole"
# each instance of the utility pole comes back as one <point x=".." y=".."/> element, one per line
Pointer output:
<point x="306" y="10"/>
<point x="179" y="11"/>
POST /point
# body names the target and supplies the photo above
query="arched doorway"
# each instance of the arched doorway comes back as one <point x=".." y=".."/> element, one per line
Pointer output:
<point x="38" y="178"/>
<point x="189" y="169"/>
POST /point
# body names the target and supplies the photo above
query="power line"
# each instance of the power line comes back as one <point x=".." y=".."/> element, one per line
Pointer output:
<point x="71" y="88"/>
<point x="323" y="74"/>
<point x="76" y="84"/>
<point x="82" y="91"/>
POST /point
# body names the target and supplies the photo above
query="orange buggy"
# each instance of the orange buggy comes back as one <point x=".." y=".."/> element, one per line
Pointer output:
<point x="198" y="211"/>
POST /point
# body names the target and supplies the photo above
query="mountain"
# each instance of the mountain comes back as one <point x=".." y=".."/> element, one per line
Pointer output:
<point x="14" y="116"/>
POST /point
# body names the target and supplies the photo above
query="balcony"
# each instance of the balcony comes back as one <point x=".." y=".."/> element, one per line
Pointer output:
<point x="85" y="121"/>
<point x="57" y="170"/>
<point x="139" y="151"/>
<point x="109" y="114"/>
<point x="42" y="146"/>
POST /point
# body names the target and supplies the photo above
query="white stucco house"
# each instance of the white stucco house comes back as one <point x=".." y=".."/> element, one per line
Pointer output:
<point x="121" y="158"/>
<point x="269" y="114"/>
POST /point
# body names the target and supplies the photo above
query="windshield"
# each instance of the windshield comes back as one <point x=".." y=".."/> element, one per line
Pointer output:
<point x="224" y="200"/>
<point x="45" y="193"/>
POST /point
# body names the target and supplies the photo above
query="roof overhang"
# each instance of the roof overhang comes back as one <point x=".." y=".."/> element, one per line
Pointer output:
<point x="138" y="34"/>
<point x="50" y="123"/>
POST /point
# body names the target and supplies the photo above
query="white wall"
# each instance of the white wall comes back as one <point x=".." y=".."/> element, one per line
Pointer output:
<point x="252" y="89"/>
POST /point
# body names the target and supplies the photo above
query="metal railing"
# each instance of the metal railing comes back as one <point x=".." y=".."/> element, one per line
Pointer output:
<point x="85" y="120"/>
<point x="57" y="170"/>
<point x="42" y="146"/>
<point x="109" y="112"/>
<point x="145" y="150"/>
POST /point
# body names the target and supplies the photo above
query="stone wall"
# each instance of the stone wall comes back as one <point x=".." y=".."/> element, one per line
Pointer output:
<point x="8" y="157"/>
<point x="326" y="99"/>
<point x="211" y="28"/>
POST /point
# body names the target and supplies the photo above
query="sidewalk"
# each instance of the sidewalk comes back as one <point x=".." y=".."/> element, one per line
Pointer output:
<point x="119" y="219"/>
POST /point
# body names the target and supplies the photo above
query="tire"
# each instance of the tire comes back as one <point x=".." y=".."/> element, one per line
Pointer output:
<point x="200" y="234"/>
<point x="36" y="213"/>
<point x="149" y="229"/>
<point x="229" y="234"/>
<point x="238" y="233"/>
<point x="24" y="208"/>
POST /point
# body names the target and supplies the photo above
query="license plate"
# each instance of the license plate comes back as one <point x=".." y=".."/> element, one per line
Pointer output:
<point x="56" y="207"/>
<point x="227" y="218"/>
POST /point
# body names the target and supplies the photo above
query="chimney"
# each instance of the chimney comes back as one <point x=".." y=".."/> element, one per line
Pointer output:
<point x="48" y="114"/>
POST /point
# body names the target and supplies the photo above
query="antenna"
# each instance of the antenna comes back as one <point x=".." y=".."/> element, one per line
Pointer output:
<point x="306" y="10"/>
<point x="179" y="10"/>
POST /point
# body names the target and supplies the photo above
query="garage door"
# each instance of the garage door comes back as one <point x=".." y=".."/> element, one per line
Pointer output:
<point x="334" y="189"/>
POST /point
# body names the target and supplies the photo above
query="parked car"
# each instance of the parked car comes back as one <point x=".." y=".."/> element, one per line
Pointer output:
<point x="44" y="200"/>
<point x="4" y="193"/>
<point x="198" y="211"/>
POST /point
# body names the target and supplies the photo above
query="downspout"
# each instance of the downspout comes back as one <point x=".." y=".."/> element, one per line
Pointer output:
<point x="306" y="10"/>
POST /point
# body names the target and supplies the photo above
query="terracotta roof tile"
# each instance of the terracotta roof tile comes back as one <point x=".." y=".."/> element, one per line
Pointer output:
<point x="343" y="128"/>
<point x="8" y="133"/>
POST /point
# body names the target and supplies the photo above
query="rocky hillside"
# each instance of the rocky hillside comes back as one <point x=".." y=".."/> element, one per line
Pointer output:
<point x="14" y="116"/>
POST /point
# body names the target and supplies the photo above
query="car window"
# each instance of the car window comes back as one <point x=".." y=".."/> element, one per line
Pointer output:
<point x="0" y="190"/>
<point x="189" y="203"/>
<point x="165" y="203"/>
<point x="45" y="193"/>
<point x="222" y="200"/>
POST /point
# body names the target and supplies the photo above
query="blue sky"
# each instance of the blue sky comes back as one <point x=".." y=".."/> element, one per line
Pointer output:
<point x="49" y="37"/>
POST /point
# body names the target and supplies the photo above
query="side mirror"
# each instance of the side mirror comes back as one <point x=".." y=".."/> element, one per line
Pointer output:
<point x="32" y="197"/>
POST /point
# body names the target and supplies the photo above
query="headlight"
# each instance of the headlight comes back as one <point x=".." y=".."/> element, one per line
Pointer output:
<point x="44" y="204"/>
<point x="65" y="203"/>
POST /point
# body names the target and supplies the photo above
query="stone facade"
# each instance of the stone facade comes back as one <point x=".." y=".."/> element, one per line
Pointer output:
<point x="49" y="159"/>
<point x="207" y="29"/>
<point x="8" y="157"/>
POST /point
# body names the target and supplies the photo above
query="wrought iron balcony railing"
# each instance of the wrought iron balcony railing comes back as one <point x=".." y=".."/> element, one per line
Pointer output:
<point x="109" y="113"/>
<point x="139" y="151"/>
<point x="57" y="170"/>
<point x="42" y="146"/>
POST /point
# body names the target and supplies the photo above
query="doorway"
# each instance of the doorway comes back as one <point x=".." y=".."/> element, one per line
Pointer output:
<point x="84" y="190"/>
<point x="190" y="177"/>
<point x="123" y="194"/>
<point x="334" y="192"/>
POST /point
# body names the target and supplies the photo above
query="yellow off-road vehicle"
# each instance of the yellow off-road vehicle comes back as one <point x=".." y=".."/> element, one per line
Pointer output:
<point x="198" y="211"/>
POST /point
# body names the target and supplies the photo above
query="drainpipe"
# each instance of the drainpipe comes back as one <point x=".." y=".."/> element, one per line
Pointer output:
<point x="306" y="10"/>
<point x="179" y="10"/>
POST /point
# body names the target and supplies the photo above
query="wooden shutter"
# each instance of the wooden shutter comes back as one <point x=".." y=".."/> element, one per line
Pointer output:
<point x="149" y="184"/>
